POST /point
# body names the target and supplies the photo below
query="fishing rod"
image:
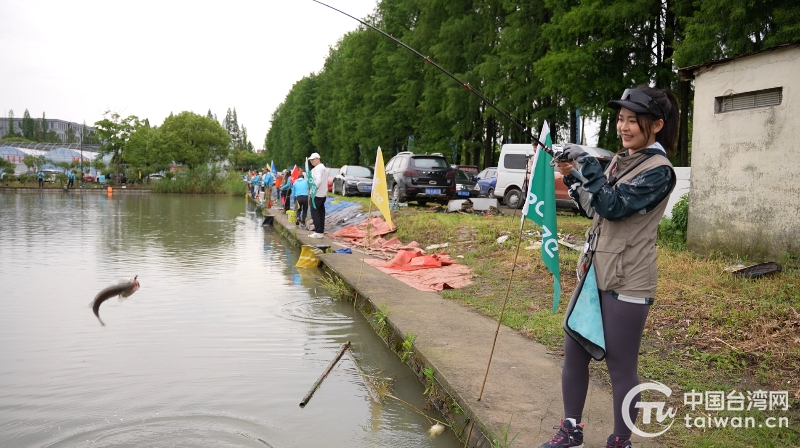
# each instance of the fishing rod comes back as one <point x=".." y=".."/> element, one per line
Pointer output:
<point x="525" y="129"/>
<point x="557" y="156"/>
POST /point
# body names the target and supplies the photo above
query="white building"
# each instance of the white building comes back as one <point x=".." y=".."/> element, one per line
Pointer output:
<point x="59" y="126"/>
<point x="745" y="178"/>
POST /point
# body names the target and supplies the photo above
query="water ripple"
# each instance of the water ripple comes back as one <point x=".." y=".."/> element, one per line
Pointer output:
<point x="217" y="347"/>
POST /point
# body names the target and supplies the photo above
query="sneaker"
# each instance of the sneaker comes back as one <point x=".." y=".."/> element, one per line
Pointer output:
<point x="617" y="442"/>
<point x="568" y="436"/>
<point x="316" y="235"/>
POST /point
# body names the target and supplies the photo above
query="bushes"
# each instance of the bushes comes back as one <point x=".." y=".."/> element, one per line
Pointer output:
<point x="672" y="232"/>
<point x="202" y="180"/>
<point x="235" y="185"/>
<point x="27" y="178"/>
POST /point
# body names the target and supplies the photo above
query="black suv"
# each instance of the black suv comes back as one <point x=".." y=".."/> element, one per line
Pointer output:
<point x="420" y="178"/>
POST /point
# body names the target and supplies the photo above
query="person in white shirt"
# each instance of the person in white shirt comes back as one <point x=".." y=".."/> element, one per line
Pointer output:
<point x="319" y="179"/>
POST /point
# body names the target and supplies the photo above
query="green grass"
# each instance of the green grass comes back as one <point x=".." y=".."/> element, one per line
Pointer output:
<point x="707" y="330"/>
<point x="203" y="181"/>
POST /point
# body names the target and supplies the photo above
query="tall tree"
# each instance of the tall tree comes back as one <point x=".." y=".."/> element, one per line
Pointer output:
<point x="38" y="135"/>
<point x="724" y="28"/>
<point x="11" y="132"/>
<point x="598" y="48"/>
<point x="114" y="131"/>
<point x="72" y="136"/>
<point x="193" y="140"/>
<point x="45" y="129"/>
<point x="145" y="151"/>
<point x="27" y="125"/>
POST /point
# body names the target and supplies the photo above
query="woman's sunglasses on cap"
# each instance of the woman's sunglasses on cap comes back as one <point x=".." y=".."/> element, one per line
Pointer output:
<point x="644" y="100"/>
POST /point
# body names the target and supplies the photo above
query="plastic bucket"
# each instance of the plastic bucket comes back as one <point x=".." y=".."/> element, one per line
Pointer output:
<point x="291" y="215"/>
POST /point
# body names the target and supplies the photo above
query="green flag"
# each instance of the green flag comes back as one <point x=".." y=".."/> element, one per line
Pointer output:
<point x="540" y="207"/>
<point x="312" y="187"/>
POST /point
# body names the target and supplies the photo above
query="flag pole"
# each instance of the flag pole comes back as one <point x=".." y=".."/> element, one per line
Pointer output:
<point x="505" y="302"/>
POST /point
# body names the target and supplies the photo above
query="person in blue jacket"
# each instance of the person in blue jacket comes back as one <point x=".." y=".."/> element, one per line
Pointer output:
<point x="268" y="180"/>
<point x="300" y="193"/>
<point x="40" y="176"/>
<point x="256" y="184"/>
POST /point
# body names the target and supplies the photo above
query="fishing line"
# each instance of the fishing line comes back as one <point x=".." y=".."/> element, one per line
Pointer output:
<point x="525" y="129"/>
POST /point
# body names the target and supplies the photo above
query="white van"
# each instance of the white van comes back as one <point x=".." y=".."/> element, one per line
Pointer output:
<point x="511" y="172"/>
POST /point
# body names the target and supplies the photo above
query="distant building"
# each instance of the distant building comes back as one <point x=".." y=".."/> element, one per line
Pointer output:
<point x="59" y="126"/>
<point x="745" y="146"/>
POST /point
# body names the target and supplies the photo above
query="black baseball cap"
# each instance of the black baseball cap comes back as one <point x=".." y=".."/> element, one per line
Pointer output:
<point x="638" y="101"/>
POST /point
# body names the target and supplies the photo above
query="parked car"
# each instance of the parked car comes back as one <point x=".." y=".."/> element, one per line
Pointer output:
<point x="511" y="174"/>
<point x="88" y="177"/>
<point x="487" y="180"/>
<point x="471" y="170"/>
<point x="353" y="180"/>
<point x="420" y="178"/>
<point x="465" y="186"/>
<point x="332" y="172"/>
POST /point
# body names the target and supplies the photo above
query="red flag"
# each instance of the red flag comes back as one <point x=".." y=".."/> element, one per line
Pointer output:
<point x="295" y="173"/>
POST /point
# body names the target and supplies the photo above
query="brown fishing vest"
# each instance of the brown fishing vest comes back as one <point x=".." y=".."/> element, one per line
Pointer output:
<point x="625" y="258"/>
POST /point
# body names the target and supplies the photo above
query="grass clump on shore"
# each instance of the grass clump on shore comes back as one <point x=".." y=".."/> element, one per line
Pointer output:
<point x="707" y="331"/>
<point x="203" y="180"/>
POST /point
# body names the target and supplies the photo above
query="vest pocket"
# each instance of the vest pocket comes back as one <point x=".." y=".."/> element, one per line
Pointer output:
<point x="609" y="263"/>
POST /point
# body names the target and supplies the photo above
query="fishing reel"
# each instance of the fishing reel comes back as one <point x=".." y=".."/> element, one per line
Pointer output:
<point x="558" y="155"/>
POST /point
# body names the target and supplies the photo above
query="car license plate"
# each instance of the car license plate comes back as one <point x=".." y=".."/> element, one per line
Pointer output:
<point x="463" y="193"/>
<point x="368" y="188"/>
<point x="432" y="191"/>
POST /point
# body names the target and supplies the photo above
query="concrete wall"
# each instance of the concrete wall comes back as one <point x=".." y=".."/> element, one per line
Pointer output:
<point x="745" y="196"/>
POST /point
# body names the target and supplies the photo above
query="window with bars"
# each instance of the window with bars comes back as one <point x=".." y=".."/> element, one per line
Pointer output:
<point x="749" y="100"/>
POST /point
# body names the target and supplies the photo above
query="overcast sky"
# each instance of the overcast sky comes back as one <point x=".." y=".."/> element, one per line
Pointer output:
<point x="75" y="60"/>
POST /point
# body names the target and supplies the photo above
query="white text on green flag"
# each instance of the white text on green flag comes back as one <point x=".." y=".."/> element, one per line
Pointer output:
<point x="540" y="207"/>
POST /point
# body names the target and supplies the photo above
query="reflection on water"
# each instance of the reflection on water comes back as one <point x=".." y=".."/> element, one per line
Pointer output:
<point x="217" y="348"/>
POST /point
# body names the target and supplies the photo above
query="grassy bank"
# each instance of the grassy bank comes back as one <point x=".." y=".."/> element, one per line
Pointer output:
<point x="707" y="331"/>
<point x="203" y="181"/>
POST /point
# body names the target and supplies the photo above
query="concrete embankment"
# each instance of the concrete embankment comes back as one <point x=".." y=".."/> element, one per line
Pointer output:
<point x="524" y="381"/>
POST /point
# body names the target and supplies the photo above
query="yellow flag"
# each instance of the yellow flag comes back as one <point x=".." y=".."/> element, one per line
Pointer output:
<point x="380" y="196"/>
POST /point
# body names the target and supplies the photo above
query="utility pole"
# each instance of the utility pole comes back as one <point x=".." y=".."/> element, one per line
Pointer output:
<point x="82" y="130"/>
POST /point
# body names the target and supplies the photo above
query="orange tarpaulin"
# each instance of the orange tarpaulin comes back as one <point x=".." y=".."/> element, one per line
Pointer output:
<point x="431" y="279"/>
<point x="407" y="260"/>
<point x="358" y="233"/>
<point x="410" y="264"/>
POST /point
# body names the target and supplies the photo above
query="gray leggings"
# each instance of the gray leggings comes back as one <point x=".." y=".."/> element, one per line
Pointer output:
<point x="623" y="324"/>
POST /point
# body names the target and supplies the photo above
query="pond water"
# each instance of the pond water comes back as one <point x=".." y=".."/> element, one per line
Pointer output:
<point x="217" y="348"/>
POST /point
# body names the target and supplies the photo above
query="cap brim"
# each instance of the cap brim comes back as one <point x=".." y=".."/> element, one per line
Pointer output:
<point x="616" y="104"/>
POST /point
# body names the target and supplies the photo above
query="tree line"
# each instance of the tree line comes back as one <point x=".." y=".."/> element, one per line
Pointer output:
<point x="554" y="60"/>
<point x="186" y="139"/>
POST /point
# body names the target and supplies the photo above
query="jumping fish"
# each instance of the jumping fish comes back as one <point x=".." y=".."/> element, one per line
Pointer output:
<point x="123" y="289"/>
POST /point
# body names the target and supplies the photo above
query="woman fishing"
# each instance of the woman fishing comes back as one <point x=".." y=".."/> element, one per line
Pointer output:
<point x="625" y="203"/>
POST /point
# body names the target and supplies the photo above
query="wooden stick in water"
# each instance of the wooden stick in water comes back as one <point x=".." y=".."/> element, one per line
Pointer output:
<point x="324" y="374"/>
